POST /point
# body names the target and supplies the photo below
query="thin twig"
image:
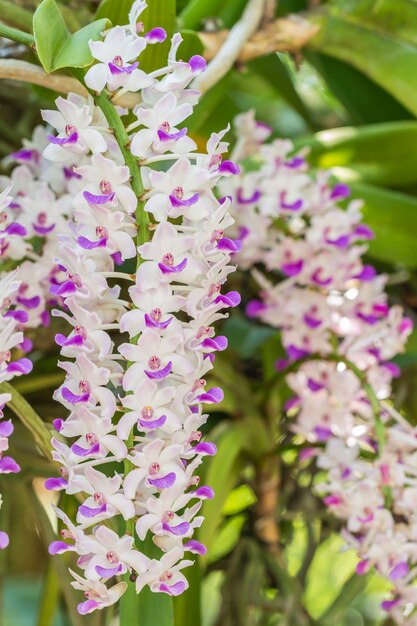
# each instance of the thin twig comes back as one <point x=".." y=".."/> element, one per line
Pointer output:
<point x="228" y="54"/>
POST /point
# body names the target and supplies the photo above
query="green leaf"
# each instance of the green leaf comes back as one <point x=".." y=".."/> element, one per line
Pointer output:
<point x="373" y="53"/>
<point x="366" y="101"/>
<point x="158" y="13"/>
<point x="238" y="500"/>
<point x="187" y="606"/>
<point x="190" y="45"/>
<point x="196" y="11"/>
<point x="246" y="337"/>
<point x="274" y="70"/>
<point x="55" y="45"/>
<point x="381" y="154"/>
<point x="15" y="15"/>
<point x="393" y="217"/>
<point x="29" y="418"/>
<point x="226" y="538"/>
<point x="116" y="11"/>
<point x="49" y="598"/>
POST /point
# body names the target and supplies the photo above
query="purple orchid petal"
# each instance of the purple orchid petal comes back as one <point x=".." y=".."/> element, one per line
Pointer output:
<point x="206" y="448"/>
<point x="164" y="482"/>
<point x="6" y="428"/>
<point x="73" y="398"/>
<point x="314" y="386"/>
<point x="295" y="162"/>
<point x="153" y="424"/>
<point x="87" y="244"/>
<point x="315" y="277"/>
<point x="367" y="273"/>
<point x="195" y="547"/>
<point x="164" y="136"/>
<point x="340" y="242"/>
<point x="399" y="571"/>
<point x="70" y="173"/>
<point x="392" y="368"/>
<point x="4" y="540"/>
<point x="75" y="340"/>
<point x="58" y="547"/>
<point x="281" y="364"/>
<point x="197" y="63"/>
<point x="387" y="605"/>
<point x="64" y="289"/>
<point x="253" y="198"/>
<point x="292" y="206"/>
<point x="332" y="500"/>
<point x="232" y="298"/>
<point x="362" y="567"/>
<point x="173" y="590"/>
<point x="55" y="484"/>
<point x="43" y="230"/>
<point x="215" y="343"/>
<point x="58" y="424"/>
<point x="228" y="168"/>
<point x="180" y="529"/>
<point x="292" y="269"/>
<point x="254" y="308"/>
<point x="312" y="322"/>
<point x="177" y="203"/>
<point x="160" y="374"/>
<point x="63" y="141"/>
<point x="127" y="69"/>
<point x="212" y="396"/>
<point x="369" y="319"/>
<point x="25" y="155"/>
<point x="295" y="353"/>
<point x="340" y="191"/>
<point x="156" y="35"/>
<point x="364" y="232"/>
<point x="231" y="245"/>
<point x="108" y="572"/>
<point x="21" y="366"/>
<point x="98" y="199"/>
<point x="117" y="258"/>
<point x="26" y="345"/>
<point x="8" y="465"/>
<point x="15" y="229"/>
<point x="204" y="493"/>
<point x="322" y="433"/>
<point x="174" y="269"/>
<point x="87" y="511"/>
<point x="150" y="323"/>
<point x="87" y="607"/>
<point x="18" y="315"/>
<point x="79" y="451"/>
<point x="29" y="303"/>
<point x="291" y="403"/>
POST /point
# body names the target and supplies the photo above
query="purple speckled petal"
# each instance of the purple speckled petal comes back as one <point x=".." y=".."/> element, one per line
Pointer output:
<point x="291" y="403"/>
<point x="295" y="353"/>
<point x="73" y="398"/>
<point x="315" y="277"/>
<point x="79" y="451"/>
<point x="18" y="315"/>
<point x="63" y="141"/>
<point x="232" y="298"/>
<point x="364" y="232"/>
<point x="64" y="289"/>
<point x="177" y="203"/>
<point x="29" y="303"/>
<point x="313" y="385"/>
<point x="8" y="465"/>
<point x="340" y="242"/>
<point x="231" y="245"/>
<point x="21" y="366"/>
<point x="206" y="448"/>
<point x="98" y="199"/>
<point x="156" y="35"/>
<point x="69" y="173"/>
<point x="87" y="607"/>
<point x="6" y="428"/>
<point x="4" y="540"/>
<point x="43" y="230"/>
<point x="25" y="155"/>
<point x="164" y="136"/>
<point x="204" y="493"/>
<point x="340" y="191"/>
<point x="153" y="424"/>
<point x="87" y="244"/>
<point x="87" y="511"/>
<point x="108" y="572"/>
<point x="197" y="63"/>
<point x="150" y="323"/>
<point x="253" y="198"/>
<point x="295" y="162"/>
<point x="323" y="433"/>
<point x="367" y="273"/>
<point x="312" y="322"/>
<point x="75" y="340"/>
<point x="58" y="547"/>
<point x="55" y="484"/>
<point x="173" y="590"/>
<point x="215" y="343"/>
<point x="292" y="206"/>
<point x="58" y="424"/>
<point x="160" y="374"/>
<point x="164" y="482"/>
<point x="399" y="571"/>
<point x="228" y="168"/>
<point x="127" y="69"/>
<point x="254" y="308"/>
<point x="387" y="605"/>
<point x="15" y="229"/>
<point x="195" y="547"/>
<point x="292" y="269"/>
<point x="174" y="269"/>
<point x="212" y="396"/>
<point x="180" y="529"/>
<point x="392" y="368"/>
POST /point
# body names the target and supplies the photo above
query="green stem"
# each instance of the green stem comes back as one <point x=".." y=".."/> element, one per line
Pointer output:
<point x="19" y="36"/>
<point x="16" y="15"/>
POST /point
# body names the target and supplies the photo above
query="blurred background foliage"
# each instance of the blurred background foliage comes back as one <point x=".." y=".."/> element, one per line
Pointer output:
<point x="350" y="96"/>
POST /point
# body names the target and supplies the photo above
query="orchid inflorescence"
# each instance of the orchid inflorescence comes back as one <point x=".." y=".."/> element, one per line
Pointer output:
<point x="336" y="323"/>
<point x="131" y="444"/>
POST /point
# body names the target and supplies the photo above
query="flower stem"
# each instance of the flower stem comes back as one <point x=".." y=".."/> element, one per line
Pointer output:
<point x="19" y="36"/>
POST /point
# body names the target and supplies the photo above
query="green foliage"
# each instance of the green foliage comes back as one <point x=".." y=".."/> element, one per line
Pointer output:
<point x="56" y="47"/>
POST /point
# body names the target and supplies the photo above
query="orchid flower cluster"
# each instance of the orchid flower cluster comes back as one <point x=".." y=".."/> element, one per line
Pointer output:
<point x="33" y="205"/>
<point x="336" y="323"/>
<point x="131" y="444"/>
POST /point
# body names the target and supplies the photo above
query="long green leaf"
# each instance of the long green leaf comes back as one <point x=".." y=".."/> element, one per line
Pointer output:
<point x="159" y="13"/>
<point x="381" y="154"/>
<point x="32" y="421"/>
<point x="49" y="598"/>
<point x="193" y="15"/>
<point x="187" y="606"/>
<point x="115" y="10"/>
<point x="372" y="52"/>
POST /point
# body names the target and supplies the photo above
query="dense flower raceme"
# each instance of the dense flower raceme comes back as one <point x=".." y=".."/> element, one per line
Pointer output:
<point x="332" y="312"/>
<point x="140" y="403"/>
